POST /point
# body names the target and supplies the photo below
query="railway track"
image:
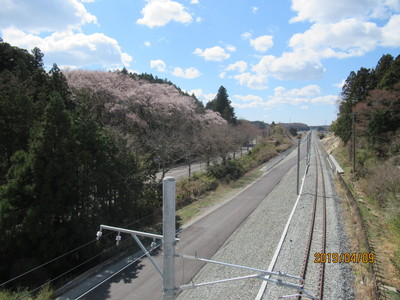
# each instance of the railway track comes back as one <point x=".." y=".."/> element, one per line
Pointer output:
<point x="313" y="245"/>
<point x="313" y="269"/>
<point x="303" y="248"/>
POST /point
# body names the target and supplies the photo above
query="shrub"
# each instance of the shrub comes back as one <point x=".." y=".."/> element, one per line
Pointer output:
<point x="365" y="159"/>
<point x="384" y="184"/>
<point x="227" y="172"/>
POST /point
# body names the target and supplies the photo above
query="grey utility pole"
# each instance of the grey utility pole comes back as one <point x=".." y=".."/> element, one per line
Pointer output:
<point x="168" y="237"/>
<point x="298" y="165"/>
<point x="169" y="188"/>
<point x="309" y="147"/>
<point x="353" y="141"/>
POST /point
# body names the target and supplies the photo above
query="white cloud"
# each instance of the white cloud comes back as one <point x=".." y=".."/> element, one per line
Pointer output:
<point x="253" y="81"/>
<point x="199" y="19"/>
<point x="201" y="95"/>
<point x="215" y="53"/>
<point x="254" y="9"/>
<point x="340" y="84"/>
<point x="307" y="91"/>
<point x="297" y="65"/>
<point x="189" y="73"/>
<point x="346" y="38"/>
<point x="249" y="105"/>
<point x="326" y="100"/>
<point x="391" y="32"/>
<point x="306" y="95"/>
<point x="72" y="49"/>
<point x="194" y="2"/>
<point x="331" y="11"/>
<point x="159" y="64"/>
<point x="44" y="15"/>
<point x="161" y="12"/>
<point x="302" y="97"/>
<point x="341" y="29"/>
<point x="222" y="75"/>
<point x="147" y="43"/>
<point x="55" y="27"/>
<point x="231" y="48"/>
<point x="245" y="35"/>
<point x="262" y="43"/>
<point x="248" y="98"/>
<point x="240" y="66"/>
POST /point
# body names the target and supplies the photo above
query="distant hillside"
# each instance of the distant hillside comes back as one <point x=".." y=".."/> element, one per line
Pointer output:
<point x="320" y="127"/>
<point x="297" y="126"/>
<point x="260" y="124"/>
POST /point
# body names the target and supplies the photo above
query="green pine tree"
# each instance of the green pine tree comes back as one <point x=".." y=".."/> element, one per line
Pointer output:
<point x="382" y="67"/>
<point x="222" y="104"/>
<point x="392" y="76"/>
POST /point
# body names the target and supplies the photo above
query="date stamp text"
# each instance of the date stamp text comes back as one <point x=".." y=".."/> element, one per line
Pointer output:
<point x="334" y="257"/>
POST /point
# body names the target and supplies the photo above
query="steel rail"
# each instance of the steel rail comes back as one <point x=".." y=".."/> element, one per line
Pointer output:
<point x="323" y="250"/>
<point x="311" y="232"/>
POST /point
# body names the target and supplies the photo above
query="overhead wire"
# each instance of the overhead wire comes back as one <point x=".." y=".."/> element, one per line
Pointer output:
<point x="117" y="272"/>
<point x="46" y="263"/>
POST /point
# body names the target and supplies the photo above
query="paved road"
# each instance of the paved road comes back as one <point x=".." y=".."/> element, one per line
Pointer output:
<point x="203" y="238"/>
<point x="183" y="170"/>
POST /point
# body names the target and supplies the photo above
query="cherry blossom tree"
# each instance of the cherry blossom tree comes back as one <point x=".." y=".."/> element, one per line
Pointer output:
<point x="157" y="117"/>
<point x="245" y="133"/>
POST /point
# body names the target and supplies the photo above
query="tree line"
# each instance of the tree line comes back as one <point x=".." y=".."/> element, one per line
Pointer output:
<point x="82" y="148"/>
<point x="369" y="123"/>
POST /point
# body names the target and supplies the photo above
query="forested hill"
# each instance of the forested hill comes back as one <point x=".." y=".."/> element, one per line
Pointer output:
<point x="82" y="148"/>
<point x="369" y="125"/>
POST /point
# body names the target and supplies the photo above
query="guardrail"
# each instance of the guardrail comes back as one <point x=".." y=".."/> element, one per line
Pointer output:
<point x="334" y="164"/>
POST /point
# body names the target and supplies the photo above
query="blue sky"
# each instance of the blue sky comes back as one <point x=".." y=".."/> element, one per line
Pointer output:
<point x="282" y="61"/>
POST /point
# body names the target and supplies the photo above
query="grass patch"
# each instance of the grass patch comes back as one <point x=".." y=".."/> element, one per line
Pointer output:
<point x="393" y="295"/>
<point x="189" y="189"/>
<point x="364" y="282"/>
